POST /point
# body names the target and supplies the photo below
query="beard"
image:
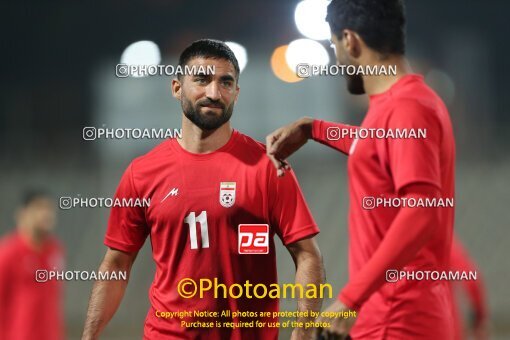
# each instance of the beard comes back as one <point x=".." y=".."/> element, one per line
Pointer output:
<point x="355" y="84"/>
<point x="208" y="120"/>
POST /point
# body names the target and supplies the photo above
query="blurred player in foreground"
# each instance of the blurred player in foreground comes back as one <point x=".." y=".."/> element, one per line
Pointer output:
<point x="30" y="306"/>
<point x="372" y="32"/>
<point x="477" y="327"/>
<point x="202" y="188"/>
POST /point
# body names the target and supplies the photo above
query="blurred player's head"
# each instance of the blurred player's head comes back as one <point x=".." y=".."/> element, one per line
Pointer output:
<point x="361" y="29"/>
<point x="37" y="214"/>
<point x="208" y="100"/>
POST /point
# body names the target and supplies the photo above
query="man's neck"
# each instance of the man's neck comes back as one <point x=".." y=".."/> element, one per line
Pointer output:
<point x="382" y="83"/>
<point x="196" y="140"/>
<point x="33" y="239"/>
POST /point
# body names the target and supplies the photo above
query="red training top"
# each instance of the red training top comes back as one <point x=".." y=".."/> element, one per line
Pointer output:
<point x="197" y="203"/>
<point x="30" y="309"/>
<point x="386" y="238"/>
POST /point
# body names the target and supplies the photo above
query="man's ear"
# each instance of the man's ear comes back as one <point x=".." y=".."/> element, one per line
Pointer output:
<point x="176" y="88"/>
<point x="352" y="43"/>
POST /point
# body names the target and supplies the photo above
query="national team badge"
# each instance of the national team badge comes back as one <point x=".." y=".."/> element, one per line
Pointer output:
<point x="227" y="194"/>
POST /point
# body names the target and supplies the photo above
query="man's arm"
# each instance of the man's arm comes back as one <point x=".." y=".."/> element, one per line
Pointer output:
<point x="107" y="295"/>
<point x="286" y="140"/>
<point x="309" y="270"/>
<point x="409" y="232"/>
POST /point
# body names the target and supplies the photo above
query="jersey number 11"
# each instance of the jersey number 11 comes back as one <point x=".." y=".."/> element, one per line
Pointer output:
<point x="192" y="220"/>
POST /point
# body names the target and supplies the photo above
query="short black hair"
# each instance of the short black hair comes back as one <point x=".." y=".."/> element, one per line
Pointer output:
<point x="209" y="48"/>
<point x="380" y="23"/>
<point x="31" y="195"/>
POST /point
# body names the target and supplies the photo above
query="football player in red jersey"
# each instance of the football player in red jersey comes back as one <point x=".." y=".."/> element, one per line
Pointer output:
<point x="203" y="190"/>
<point x="372" y="33"/>
<point x="30" y="301"/>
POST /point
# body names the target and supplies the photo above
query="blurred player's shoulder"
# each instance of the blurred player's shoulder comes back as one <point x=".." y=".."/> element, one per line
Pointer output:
<point x="413" y="92"/>
<point x="9" y="239"/>
<point x="9" y="244"/>
<point x="54" y="244"/>
<point x="13" y="240"/>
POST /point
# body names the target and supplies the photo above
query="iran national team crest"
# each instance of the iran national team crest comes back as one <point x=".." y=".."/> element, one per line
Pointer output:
<point x="227" y="194"/>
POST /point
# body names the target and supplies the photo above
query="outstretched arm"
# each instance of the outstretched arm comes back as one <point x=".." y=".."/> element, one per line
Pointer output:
<point x="286" y="140"/>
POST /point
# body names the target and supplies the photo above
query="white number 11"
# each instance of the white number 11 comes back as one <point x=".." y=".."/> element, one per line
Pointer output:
<point x="191" y="220"/>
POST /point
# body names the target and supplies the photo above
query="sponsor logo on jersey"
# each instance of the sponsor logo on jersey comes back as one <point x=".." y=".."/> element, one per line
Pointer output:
<point x="227" y="194"/>
<point x="253" y="239"/>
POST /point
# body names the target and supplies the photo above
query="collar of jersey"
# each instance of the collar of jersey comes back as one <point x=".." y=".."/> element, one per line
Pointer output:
<point x="205" y="156"/>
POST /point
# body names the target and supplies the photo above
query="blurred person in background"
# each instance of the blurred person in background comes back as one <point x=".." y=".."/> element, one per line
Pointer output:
<point x="477" y="326"/>
<point x="387" y="239"/>
<point x="30" y="303"/>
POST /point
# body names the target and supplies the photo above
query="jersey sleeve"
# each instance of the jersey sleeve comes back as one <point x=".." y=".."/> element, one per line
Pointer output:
<point x="288" y="212"/>
<point x="414" y="160"/>
<point x="127" y="227"/>
<point x="333" y="135"/>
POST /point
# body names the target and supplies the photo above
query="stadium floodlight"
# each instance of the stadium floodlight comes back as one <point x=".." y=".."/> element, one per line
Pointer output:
<point x="306" y="51"/>
<point x="240" y="53"/>
<point x="310" y="18"/>
<point x="142" y="52"/>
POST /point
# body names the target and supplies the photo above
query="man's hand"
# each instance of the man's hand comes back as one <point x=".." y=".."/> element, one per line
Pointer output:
<point x="286" y="140"/>
<point x="339" y="326"/>
<point x="481" y="331"/>
<point x="302" y="334"/>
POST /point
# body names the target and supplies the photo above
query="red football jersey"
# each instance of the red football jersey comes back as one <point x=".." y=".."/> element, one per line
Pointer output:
<point x="197" y="203"/>
<point x="380" y="168"/>
<point x="30" y="309"/>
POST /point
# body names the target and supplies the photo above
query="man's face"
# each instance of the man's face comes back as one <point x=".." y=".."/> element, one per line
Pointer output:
<point x="354" y="82"/>
<point x="40" y="216"/>
<point x="208" y="100"/>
